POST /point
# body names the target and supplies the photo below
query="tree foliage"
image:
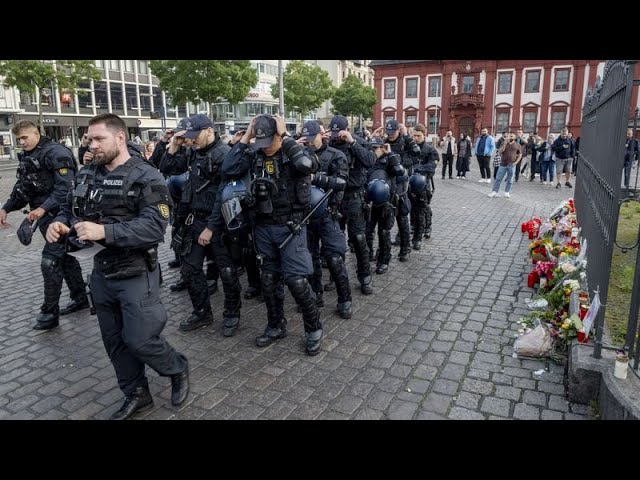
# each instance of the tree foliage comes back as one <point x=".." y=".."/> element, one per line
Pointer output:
<point x="354" y="98"/>
<point x="26" y="75"/>
<point x="204" y="80"/>
<point x="306" y="86"/>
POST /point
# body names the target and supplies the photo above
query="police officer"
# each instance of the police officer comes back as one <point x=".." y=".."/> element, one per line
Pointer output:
<point x="353" y="205"/>
<point x="332" y="173"/>
<point x="122" y="203"/>
<point x="420" y="185"/>
<point x="45" y="176"/>
<point x="403" y="145"/>
<point x="281" y="191"/>
<point x="381" y="186"/>
<point x="203" y="187"/>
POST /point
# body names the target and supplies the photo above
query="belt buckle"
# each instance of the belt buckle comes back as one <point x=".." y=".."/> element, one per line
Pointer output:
<point x="189" y="220"/>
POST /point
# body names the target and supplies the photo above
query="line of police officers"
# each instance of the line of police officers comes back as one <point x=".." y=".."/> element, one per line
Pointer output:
<point x="263" y="200"/>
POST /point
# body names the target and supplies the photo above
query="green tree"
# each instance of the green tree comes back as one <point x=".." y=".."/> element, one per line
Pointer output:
<point x="305" y="86"/>
<point x="27" y="75"/>
<point x="354" y="98"/>
<point x="204" y="80"/>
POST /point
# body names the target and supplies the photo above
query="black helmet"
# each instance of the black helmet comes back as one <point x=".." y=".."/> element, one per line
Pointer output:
<point x="417" y="183"/>
<point x="232" y="195"/>
<point x="378" y="192"/>
<point x="315" y="196"/>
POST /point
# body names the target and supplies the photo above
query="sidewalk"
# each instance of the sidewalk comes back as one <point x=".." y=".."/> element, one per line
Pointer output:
<point x="434" y="341"/>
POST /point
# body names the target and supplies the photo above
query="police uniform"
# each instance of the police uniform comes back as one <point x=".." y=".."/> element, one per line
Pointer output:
<point x="132" y="202"/>
<point x="280" y="194"/>
<point x="353" y="205"/>
<point x="404" y="146"/>
<point x="387" y="168"/>
<point x="421" y="213"/>
<point x="199" y="193"/>
<point x="45" y="177"/>
<point x="333" y="173"/>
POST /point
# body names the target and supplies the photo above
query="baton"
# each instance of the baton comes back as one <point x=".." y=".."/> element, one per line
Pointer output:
<point x="296" y="228"/>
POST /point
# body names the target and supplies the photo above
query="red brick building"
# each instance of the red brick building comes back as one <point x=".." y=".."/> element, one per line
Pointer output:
<point x="539" y="96"/>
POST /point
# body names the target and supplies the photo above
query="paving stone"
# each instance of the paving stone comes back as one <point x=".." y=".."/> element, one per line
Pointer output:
<point x="459" y="413"/>
<point x="550" y="415"/>
<point x="526" y="412"/>
<point x="437" y="403"/>
<point x="510" y="393"/>
<point x="468" y="400"/>
<point x="534" y="398"/>
<point x="497" y="406"/>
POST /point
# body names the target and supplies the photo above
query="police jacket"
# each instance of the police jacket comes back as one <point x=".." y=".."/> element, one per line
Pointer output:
<point x="428" y="159"/>
<point x="388" y="168"/>
<point x="175" y="163"/>
<point x="332" y="164"/>
<point x="132" y="202"/>
<point x="282" y="182"/>
<point x="158" y="152"/>
<point x="360" y="159"/>
<point x="406" y="147"/>
<point x="45" y="176"/>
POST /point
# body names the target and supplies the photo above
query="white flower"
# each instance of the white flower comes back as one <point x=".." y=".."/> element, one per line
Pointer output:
<point x="568" y="268"/>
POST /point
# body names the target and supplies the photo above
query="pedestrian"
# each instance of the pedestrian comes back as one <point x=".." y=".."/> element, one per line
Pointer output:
<point x="45" y="175"/>
<point x="511" y="154"/>
<point x="631" y="153"/>
<point x="125" y="277"/>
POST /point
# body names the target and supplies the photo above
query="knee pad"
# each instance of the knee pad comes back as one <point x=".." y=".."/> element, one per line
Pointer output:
<point x="48" y="264"/>
<point x="297" y="285"/>
<point x="269" y="281"/>
<point x="335" y="261"/>
<point x="228" y="274"/>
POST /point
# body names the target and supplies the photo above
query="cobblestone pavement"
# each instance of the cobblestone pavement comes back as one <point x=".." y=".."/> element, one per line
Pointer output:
<point x="435" y="341"/>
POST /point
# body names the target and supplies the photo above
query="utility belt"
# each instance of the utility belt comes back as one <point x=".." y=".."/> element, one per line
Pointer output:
<point x="354" y="194"/>
<point x="272" y="219"/>
<point x="198" y="215"/>
<point x="126" y="263"/>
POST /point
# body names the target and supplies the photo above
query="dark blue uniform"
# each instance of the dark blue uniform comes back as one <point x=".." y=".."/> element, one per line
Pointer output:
<point x="45" y="177"/>
<point x="132" y="202"/>
<point x="404" y="146"/>
<point x="280" y="193"/>
<point x="421" y="213"/>
<point x="353" y="206"/>
<point x="332" y="165"/>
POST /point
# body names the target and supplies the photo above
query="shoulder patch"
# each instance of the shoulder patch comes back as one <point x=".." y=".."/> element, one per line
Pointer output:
<point x="63" y="171"/>
<point x="163" y="208"/>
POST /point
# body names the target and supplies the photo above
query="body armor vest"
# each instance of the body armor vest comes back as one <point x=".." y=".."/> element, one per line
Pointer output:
<point x="36" y="178"/>
<point x="205" y="177"/>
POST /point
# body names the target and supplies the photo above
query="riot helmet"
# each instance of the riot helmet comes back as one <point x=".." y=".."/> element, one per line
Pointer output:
<point x="232" y="195"/>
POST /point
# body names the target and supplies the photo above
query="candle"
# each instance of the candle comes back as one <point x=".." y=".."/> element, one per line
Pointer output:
<point x="620" y="371"/>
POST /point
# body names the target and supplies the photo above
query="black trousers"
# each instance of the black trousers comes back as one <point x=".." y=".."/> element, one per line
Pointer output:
<point x="131" y="318"/>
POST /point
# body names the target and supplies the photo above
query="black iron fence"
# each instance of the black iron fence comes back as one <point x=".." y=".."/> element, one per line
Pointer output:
<point x="598" y="191"/>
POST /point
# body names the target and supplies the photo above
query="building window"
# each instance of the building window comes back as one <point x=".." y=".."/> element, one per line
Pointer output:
<point x="558" y="121"/>
<point x="504" y="82"/>
<point x="389" y="89"/>
<point x="128" y="66"/>
<point x="412" y="88"/>
<point x="529" y="121"/>
<point x="433" y="123"/>
<point x="434" y="86"/>
<point x="100" y="64"/>
<point x="410" y="120"/>
<point x="116" y="96"/>
<point x="532" y="81"/>
<point x="502" y="122"/>
<point x="388" y="117"/>
<point x="114" y="65"/>
<point x="561" y="81"/>
<point x="100" y="91"/>
<point x="132" y="97"/>
<point x="467" y="83"/>
<point x="143" y="68"/>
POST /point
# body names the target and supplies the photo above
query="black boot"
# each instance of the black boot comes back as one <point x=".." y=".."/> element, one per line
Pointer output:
<point x="344" y="309"/>
<point x="46" y="321"/>
<point x="365" y="285"/>
<point x="272" y="333"/>
<point x="403" y="256"/>
<point x="313" y="342"/>
<point x="179" y="387"/>
<point x="175" y="263"/>
<point x="139" y="401"/>
<point x="339" y="273"/>
<point x="328" y="287"/>
<point x="178" y="286"/>
<point x="196" y="320"/>
<point x="382" y="269"/>
<point x="74" y="306"/>
<point x="232" y="302"/>
<point x="417" y="244"/>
